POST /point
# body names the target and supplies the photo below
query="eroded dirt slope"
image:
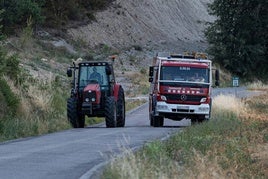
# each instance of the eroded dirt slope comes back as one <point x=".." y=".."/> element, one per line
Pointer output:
<point x="174" y="25"/>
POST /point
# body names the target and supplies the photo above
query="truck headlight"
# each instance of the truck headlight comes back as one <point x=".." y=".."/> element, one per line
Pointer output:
<point x="203" y="100"/>
<point x="163" y="98"/>
<point x="203" y="109"/>
<point x="162" y="107"/>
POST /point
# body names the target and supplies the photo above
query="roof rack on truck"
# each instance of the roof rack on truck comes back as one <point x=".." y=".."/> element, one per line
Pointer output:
<point x="186" y="55"/>
<point x="194" y="57"/>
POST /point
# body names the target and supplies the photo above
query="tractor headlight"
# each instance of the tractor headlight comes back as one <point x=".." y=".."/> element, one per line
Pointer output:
<point x="87" y="99"/>
<point x="93" y="99"/>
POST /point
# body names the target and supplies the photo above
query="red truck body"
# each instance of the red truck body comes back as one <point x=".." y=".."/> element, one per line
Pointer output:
<point x="180" y="88"/>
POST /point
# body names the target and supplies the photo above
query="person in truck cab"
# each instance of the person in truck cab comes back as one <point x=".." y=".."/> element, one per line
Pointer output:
<point x="197" y="78"/>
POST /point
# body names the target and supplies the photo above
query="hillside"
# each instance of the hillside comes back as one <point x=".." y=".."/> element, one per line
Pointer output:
<point x="149" y="26"/>
<point x="153" y="24"/>
<point x="134" y="30"/>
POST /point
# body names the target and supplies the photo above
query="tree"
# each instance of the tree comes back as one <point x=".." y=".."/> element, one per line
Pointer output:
<point x="17" y="12"/>
<point x="238" y="37"/>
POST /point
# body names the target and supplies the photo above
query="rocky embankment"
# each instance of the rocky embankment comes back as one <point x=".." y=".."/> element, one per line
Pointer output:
<point x="174" y="25"/>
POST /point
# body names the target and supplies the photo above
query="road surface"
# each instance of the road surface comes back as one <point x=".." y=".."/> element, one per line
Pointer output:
<point x="81" y="153"/>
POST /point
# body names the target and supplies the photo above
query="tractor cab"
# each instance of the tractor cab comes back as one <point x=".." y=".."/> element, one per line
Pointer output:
<point x="95" y="73"/>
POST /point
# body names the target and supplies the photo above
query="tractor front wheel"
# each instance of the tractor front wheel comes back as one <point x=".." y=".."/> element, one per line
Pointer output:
<point x="110" y="112"/>
<point x="76" y="120"/>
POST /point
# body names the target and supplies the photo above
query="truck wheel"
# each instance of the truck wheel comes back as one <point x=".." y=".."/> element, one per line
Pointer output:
<point x="210" y="107"/>
<point x="203" y="120"/>
<point x="76" y="120"/>
<point x="198" y="120"/>
<point x="151" y="120"/>
<point x="152" y="113"/>
<point x="161" y="121"/>
<point x="120" y="122"/>
<point x="158" y="121"/>
<point x="110" y="112"/>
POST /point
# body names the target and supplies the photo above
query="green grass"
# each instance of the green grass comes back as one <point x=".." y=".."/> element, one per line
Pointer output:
<point x="131" y="104"/>
<point x="36" y="107"/>
<point x="219" y="148"/>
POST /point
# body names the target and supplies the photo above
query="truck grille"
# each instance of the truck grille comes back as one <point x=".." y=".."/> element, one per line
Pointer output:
<point x="183" y="97"/>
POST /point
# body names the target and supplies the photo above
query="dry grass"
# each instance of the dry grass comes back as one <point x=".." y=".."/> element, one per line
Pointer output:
<point x="224" y="147"/>
<point x="226" y="104"/>
<point x="258" y="85"/>
<point x="33" y="96"/>
<point x="138" y="84"/>
<point x="41" y="109"/>
<point x="257" y="109"/>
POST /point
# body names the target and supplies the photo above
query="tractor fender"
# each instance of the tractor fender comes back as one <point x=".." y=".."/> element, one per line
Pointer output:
<point x="116" y="91"/>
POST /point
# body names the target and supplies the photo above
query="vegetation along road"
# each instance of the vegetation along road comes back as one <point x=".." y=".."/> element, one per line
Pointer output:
<point x="81" y="153"/>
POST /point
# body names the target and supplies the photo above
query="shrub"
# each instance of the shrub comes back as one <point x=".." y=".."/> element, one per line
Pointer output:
<point x="16" y="13"/>
<point x="10" y="98"/>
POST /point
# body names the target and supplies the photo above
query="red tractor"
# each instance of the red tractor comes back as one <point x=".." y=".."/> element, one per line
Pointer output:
<point x="95" y="94"/>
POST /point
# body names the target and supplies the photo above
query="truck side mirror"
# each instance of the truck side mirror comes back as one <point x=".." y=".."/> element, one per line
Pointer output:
<point x="217" y="78"/>
<point x="69" y="72"/>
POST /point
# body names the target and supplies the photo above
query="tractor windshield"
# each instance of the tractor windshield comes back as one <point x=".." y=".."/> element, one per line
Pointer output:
<point x="92" y="74"/>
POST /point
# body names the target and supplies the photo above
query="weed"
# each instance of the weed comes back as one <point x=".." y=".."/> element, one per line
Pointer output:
<point x="218" y="148"/>
<point x="257" y="85"/>
<point x="143" y="71"/>
<point x="131" y="104"/>
<point x="10" y="98"/>
<point x="26" y="38"/>
<point x="93" y="120"/>
<point x="41" y="108"/>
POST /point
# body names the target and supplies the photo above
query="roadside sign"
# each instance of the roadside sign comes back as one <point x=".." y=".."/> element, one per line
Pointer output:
<point x="235" y="81"/>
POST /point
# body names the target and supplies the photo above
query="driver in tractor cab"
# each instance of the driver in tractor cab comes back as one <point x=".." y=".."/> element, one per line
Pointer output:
<point x="95" y="75"/>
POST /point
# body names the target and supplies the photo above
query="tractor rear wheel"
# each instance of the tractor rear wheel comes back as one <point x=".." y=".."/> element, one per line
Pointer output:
<point x="76" y="120"/>
<point x="120" y="122"/>
<point x="110" y="112"/>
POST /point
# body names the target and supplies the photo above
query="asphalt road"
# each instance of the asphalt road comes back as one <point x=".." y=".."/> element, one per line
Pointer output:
<point x="81" y="153"/>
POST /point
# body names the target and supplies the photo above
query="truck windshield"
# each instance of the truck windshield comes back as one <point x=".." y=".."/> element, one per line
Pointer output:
<point x="184" y="74"/>
<point x="92" y="74"/>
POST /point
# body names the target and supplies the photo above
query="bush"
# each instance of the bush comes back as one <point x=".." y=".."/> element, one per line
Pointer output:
<point x="9" y="66"/>
<point x="10" y="98"/>
<point x="52" y="13"/>
<point x="95" y="4"/>
<point x="16" y="13"/>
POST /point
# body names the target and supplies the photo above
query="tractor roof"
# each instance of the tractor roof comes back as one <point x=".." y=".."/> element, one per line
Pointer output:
<point x="93" y="63"/>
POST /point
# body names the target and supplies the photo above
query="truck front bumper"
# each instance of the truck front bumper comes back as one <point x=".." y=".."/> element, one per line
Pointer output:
<point x="202" y="109"/>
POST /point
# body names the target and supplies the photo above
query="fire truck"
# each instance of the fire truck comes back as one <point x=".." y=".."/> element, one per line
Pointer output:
<point x="180" y="87"/>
